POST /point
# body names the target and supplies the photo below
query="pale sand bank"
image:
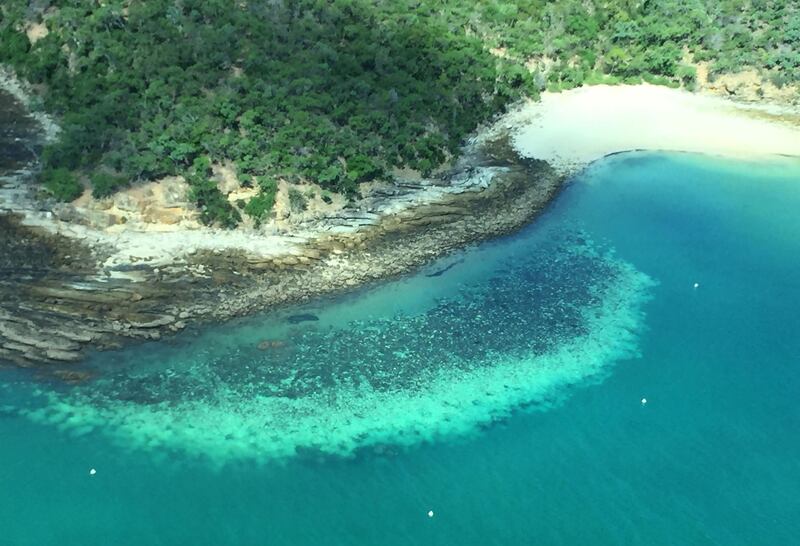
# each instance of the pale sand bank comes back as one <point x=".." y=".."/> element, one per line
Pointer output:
<point x="571" y="129"/>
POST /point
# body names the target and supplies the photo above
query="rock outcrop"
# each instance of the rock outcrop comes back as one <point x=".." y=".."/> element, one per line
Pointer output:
<point x="137" y="266"/>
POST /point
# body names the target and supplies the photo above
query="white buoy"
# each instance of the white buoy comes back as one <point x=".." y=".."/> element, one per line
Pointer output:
<point x="430" y="513"/>
<point x="92" y="472"/>
<point x="644" y="401"/>
<point x="697" y="285"/>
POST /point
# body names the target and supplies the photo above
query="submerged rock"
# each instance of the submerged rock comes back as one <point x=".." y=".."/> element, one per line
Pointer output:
<point x="546" y="321"/>
<point x="271" y="344"/>
<point x="87" y="283"/>
<point x="302" y="317"/>
<point x="153" y="322"/>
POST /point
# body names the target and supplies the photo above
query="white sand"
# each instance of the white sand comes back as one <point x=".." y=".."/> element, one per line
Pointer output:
<point x="574" y="128"/>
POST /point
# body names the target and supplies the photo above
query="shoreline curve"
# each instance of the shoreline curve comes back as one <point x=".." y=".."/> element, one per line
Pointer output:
<point x="510" y="172"/>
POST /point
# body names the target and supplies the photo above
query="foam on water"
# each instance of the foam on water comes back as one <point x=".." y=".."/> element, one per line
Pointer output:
<point x="558" y="317"/>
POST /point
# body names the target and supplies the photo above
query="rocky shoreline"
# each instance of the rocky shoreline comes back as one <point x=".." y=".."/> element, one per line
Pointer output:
<point x="58" y="300"/>
<point x="71" y="282"/>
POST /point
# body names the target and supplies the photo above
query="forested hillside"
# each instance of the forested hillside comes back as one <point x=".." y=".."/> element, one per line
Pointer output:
<point x="339" y="92"/>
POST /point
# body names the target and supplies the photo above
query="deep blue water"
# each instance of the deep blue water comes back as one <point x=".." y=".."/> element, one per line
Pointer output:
<point x="713" y="457"/>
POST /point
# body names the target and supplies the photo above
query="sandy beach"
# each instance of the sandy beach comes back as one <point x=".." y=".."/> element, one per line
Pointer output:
<point x="571" y="129"/>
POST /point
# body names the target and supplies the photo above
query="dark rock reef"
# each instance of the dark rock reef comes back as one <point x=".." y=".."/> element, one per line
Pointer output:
<point x="56" y="300"/>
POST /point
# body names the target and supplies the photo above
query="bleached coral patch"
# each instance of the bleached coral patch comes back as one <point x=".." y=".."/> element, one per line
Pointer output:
<point x="558" y="317"/>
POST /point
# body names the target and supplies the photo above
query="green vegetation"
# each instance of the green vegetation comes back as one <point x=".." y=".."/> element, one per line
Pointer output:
<point x="105" y="184"/>
<point x="61" y="184"/>
<point x="297" y="201"/>
<point x="259" y="206"/>
<point x="213" y="205"/>
<point x="332" y="92"/>
<point x="339" y="92"/>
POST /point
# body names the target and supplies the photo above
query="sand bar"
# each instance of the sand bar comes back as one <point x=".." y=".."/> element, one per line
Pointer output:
<point x="571" y="129"/>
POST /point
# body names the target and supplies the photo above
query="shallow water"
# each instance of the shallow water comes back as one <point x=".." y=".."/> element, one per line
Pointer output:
<point x="504" y="394"/>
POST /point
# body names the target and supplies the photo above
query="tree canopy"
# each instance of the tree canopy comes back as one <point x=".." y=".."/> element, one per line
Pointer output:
<point x="339" y="92"/>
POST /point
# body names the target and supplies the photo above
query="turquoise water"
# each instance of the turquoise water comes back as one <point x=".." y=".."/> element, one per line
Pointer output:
<point x="500" y="388"/>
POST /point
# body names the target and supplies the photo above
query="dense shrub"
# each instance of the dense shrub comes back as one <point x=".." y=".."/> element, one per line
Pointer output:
<point x="340" y="92"/>
<point x="687" y="75"/>
<point x="297" y="201"/>
<point x="61" y="184"/>
<point x="261" y="205"/>
<point x="105" y="184"/>
<point x="214" y="207"/>
<point x="329" y="92"/>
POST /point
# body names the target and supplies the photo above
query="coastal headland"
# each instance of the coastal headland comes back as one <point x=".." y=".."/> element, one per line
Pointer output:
<point x="102" y="272"/>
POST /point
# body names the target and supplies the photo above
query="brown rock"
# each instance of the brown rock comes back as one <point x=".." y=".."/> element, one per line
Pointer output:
<point x="66" y="356"/>
<point x="174" y="190"/>
<point x="267" y="344"/>
<point x="100" y="219"/>
<point x="125" y="202"/>
<point x="158" y="215"/>
<point x="67" y="213"/>
<point x="72" y="377"/>
<point x="154" y="322"/>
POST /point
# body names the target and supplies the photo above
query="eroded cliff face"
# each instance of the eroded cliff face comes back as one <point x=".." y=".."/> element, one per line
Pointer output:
<point x="51" y="303"/>
<point x="749" y="86"/>
<point x="77" y="277"/>
<point x="164" y="206"/>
